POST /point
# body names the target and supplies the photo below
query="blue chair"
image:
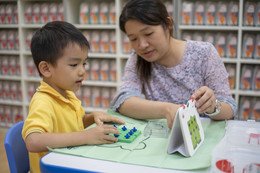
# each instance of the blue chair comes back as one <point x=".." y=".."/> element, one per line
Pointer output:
<point x="16" y="150"/>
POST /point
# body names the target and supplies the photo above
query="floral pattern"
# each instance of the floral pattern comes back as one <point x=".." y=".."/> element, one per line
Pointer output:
<point x="201" y="66"/>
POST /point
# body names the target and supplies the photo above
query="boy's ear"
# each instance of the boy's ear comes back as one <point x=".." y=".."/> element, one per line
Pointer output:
<point x="44" y="68"/>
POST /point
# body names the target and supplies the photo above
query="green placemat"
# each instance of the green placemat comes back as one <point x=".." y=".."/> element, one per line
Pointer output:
<point x="152" y="151"/>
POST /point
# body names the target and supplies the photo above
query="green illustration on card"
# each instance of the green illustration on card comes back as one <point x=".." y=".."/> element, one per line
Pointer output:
<point x="194" y="131"/>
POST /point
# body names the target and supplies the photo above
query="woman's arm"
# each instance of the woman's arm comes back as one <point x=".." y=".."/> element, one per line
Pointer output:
<point x="139" y="108"/>
<point x="216" y="87"/>
<point x="206" y="103"/>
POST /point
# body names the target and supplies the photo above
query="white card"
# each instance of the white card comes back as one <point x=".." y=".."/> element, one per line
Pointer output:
<point x="187" y="133"/>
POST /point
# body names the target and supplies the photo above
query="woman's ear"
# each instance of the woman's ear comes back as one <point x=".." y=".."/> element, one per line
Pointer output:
<point x="169" y="21"/>
<point x="170" y="24"/>
<point x="44" y="69"/>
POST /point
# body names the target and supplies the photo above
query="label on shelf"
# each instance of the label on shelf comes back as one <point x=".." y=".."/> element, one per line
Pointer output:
<point x="104" y="13"/>
<point x="249" y="13"/>
<point x="94" y="13"/>
<point x="231" y="45"/>
<point x="221" y="13"/>
<point x="84" y="13"/>
<point x="246" y="77"/>
<point x="199" y="13"/>
<point x="187" y="12"/>
<point x="210" y="13"/>
<point x="248" y="46"/>
<point x="232" y="15"/>
<point x="112" y="13"/>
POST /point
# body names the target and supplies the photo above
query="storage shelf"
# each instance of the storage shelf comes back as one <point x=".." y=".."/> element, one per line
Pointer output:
<point x="239" y="30"/>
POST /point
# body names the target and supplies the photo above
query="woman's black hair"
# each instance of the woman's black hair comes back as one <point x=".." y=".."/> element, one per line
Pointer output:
<point x="150" y="12"/>
<point x="49" y="42"/>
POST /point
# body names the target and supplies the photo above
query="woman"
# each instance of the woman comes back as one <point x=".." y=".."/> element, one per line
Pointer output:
<point x="165" y="72"/>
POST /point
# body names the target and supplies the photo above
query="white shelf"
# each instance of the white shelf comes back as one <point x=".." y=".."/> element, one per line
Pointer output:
<point x="209" y="27"/>
<point x="249" y="28"/>
<point x="97" y="27"/>
<point x="249" y="93"/>
<point x="11" y="102"/>
<point x="100" y="83"/>
<point x="11" y="78"/>
<point x="9" y="52"/>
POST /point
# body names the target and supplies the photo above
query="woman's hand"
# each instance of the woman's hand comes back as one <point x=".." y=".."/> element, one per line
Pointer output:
<point x="101" y="117"/>
<point x="205" y="100"/>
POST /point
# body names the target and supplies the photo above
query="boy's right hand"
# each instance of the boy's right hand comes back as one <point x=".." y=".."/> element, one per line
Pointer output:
<point x="100" y="134"/>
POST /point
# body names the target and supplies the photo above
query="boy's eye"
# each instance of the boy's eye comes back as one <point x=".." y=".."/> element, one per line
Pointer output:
<point x="149" y="34"/>
<point x="132" y="39"/>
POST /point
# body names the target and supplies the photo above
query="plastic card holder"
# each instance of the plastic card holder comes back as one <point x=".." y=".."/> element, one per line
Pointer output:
<point x="239" y="150"/>
<point x="157" y="129"/>
<point x="187" y="133"/>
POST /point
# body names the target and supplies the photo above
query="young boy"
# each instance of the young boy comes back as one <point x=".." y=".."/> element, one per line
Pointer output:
<point x="56" y="117"/>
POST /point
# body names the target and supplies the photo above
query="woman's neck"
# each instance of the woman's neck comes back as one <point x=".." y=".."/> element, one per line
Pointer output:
<point x="174" y="55"/>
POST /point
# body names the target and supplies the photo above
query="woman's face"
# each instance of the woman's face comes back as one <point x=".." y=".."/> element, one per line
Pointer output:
<point x="149" y="41"/>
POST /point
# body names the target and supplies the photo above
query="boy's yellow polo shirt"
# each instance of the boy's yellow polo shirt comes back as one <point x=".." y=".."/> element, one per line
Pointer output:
<point x="50" y="112"/>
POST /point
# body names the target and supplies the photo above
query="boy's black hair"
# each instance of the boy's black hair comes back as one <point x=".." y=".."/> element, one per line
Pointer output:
<point x="150" y="12"/>
<point x="48" y="42"/>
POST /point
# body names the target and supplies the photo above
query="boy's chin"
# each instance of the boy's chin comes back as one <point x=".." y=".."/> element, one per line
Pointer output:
<point x="75" y="90"/>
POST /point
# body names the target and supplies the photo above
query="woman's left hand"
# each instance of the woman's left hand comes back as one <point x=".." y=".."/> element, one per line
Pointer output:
<point x="205" y="100"/>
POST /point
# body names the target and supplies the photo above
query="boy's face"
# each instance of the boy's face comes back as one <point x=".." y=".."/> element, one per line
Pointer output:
<point x="70" y="70"/>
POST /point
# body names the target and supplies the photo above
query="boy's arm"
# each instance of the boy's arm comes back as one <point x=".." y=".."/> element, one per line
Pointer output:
<point x="88" y="120"/>
<point x="100" y="118"/>
<point x="38" y="142"/>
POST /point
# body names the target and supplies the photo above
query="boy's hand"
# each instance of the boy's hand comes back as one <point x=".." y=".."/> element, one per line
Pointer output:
<point x="101" y="117"/>
<point x="100" y="134"/>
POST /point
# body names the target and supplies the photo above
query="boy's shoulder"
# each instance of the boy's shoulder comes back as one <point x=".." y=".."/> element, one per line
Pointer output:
<point x="41" y="98"/>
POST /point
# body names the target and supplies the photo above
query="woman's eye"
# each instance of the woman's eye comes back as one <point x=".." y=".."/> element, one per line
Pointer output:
<point x="73" y="65"/>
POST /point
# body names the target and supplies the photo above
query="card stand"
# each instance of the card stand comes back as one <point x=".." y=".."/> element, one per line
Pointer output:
<point x="187" y="133"/>
<point x="126" y="134"/>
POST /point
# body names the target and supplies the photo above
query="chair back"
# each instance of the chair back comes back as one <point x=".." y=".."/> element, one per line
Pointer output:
<point x="16" y="150"/>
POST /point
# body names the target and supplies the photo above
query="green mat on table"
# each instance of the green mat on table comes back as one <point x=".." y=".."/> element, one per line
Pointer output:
<point x="151" y="151"/>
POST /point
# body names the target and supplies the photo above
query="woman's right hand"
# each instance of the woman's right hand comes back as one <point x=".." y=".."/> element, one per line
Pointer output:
<point x="101" y="134"/>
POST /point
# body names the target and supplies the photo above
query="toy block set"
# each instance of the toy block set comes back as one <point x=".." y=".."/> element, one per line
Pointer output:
<point x="126" y="134"/>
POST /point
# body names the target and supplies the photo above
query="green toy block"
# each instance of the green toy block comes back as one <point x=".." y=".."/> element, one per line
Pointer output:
<point x="127" y="135"/>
